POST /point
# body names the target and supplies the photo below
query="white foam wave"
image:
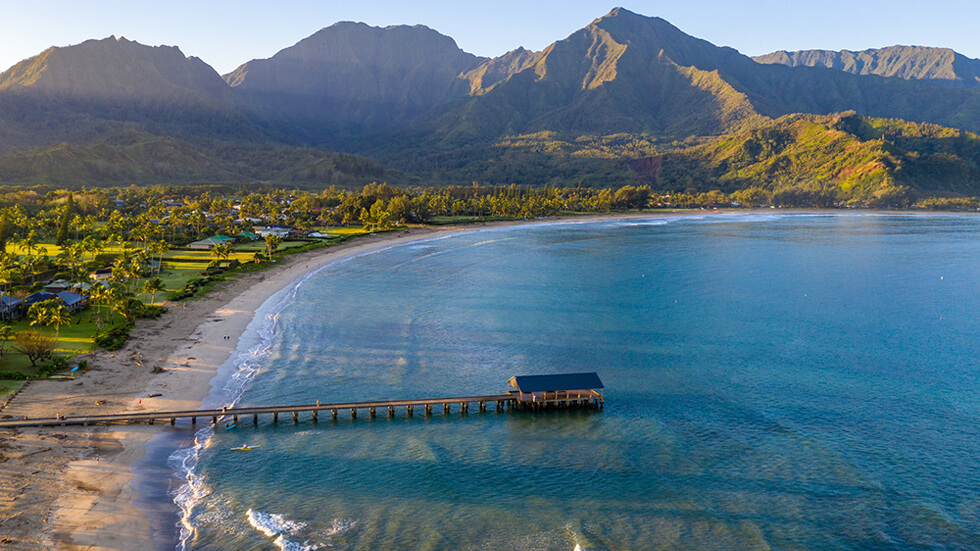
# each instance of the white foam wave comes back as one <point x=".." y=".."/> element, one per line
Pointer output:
<point x="256" y="344"/>
<point x="278" y="526"/>
<point x="193" y="490"/>
<point x="338" y="527"/>
<point x="247" y="362"/>
<point x="286" y="545"/>
<point x="650" y="222"/>
<point x="272" y="524"/>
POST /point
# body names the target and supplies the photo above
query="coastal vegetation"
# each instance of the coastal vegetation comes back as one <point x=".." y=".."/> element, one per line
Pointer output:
<point x="78" y="268"/>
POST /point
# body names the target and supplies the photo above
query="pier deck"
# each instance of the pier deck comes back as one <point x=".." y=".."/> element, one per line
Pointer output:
<point x="501" y="401"/>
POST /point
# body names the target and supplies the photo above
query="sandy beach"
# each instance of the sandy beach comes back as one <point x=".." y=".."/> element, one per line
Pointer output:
<point x="69" y="488"/>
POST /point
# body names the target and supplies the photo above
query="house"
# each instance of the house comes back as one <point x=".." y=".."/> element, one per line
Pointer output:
<point x="248" y="235"/>
<point x="81" y="288"/>
<point x="73" y="301"/>
<point x="101" y="275"/>
<point x="34" y="298"/>
<point x="10" y="307"/>
<point x="211" y="242"/>
<point x="281" y="231"/>
<point x="57" y="286"/>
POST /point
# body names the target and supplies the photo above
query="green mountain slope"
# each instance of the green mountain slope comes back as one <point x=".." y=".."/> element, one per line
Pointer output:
<point x="847" y="156"/>
<point x="626" y="73"/>
<point x="143" y="159"/>
<point x="86" y="92"/>
<point x="938" y="65"/>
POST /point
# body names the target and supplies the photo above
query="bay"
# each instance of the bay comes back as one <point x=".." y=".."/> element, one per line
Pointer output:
<point x="788" y="381"/>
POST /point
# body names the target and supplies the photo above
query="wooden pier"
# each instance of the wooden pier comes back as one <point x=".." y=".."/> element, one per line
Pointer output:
<point x="514" y="399"/>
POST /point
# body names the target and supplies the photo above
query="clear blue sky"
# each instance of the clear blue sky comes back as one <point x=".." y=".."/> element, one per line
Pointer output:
<point x="226" y="33"/>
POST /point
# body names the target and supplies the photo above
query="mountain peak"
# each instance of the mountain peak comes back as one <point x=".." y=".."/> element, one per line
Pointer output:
<point x="115" y="69"/>
<point x="355" y="75"/>
<point x="621" y="12"/>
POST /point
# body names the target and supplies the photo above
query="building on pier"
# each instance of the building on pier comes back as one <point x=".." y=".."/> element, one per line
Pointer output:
<point x="556" y="390"/>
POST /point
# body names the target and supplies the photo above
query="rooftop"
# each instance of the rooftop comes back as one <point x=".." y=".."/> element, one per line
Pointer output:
<point x="561" y="381"/>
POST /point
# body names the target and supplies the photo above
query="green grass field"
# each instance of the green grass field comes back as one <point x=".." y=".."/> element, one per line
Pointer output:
<point x="178" y="268"/>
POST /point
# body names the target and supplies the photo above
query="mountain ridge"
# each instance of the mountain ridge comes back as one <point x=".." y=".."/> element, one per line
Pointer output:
<point x="938" y="65"/>
<point x="411" y="98"/>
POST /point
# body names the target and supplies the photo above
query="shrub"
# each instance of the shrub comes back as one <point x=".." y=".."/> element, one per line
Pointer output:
<point x="153" y="312"/>
<point x="114" y="338"/>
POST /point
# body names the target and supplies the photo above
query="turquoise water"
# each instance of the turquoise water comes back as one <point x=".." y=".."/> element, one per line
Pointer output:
<point x="772" y="381"/>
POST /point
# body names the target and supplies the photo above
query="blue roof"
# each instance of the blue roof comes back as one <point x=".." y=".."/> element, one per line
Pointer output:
<point x="561" y="381"/>
<point x="70" y="298"/>
<point x="39" y="296"/>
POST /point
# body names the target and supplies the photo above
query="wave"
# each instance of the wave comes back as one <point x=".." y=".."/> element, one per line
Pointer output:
<point x="255" y="346"/>
<point x="279" y="527"/>
<point x="272" y="524"/>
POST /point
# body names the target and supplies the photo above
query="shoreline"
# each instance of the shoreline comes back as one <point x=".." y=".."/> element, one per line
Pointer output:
<point x="73" y="487"/>
<point x="76" y="488"/>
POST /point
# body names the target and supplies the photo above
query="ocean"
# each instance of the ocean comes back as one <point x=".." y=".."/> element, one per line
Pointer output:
<point x="772" y="381"/>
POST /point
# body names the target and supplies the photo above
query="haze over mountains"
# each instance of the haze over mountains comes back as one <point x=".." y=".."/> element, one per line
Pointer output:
<point x="623" y="88"/>
<point x="936" y="65"/>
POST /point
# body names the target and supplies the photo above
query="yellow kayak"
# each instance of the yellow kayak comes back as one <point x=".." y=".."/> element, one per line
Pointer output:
<point x="245" y="448"/>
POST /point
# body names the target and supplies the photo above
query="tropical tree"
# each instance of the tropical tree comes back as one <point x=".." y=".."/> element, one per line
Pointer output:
<point x="58" y="316"/>
<point x="152" y="286"/>
<point x="71" y="254"/>
<point x="40" y="312"/>
<point x="159" y="248"/>
<point x="93" y="245"/>
<point x="29" y="244"/>
<point x="221" y="251"/>
<point x="272" y="242"/>
<point x="129" y="308"/>
<point x="65" y="222"/>
<point x="35" y="345"/>
<point x="99" y="296"/>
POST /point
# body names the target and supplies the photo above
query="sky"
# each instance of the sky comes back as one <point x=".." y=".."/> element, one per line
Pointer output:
<point x="227" y="33"/>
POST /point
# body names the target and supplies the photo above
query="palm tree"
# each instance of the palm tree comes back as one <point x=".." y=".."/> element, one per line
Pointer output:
<point x="71" y="254"/>
<point x="112" y="296"/>
<point x="29" y="245"/>
<point x="272" y="242"/>
<point x="93" y="245"/>
<point x="221" y="251"/>
<point x="129" y="307"/>
<point x="58" y="316"/>
<point x="152" y="286"/>
<point x="159" y="248"/>
<point x="99" y="295"/>
<point x="40" y="312"/>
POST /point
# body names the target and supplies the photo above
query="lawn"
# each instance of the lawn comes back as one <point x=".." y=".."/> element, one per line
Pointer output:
<point x="8" y="386"/>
